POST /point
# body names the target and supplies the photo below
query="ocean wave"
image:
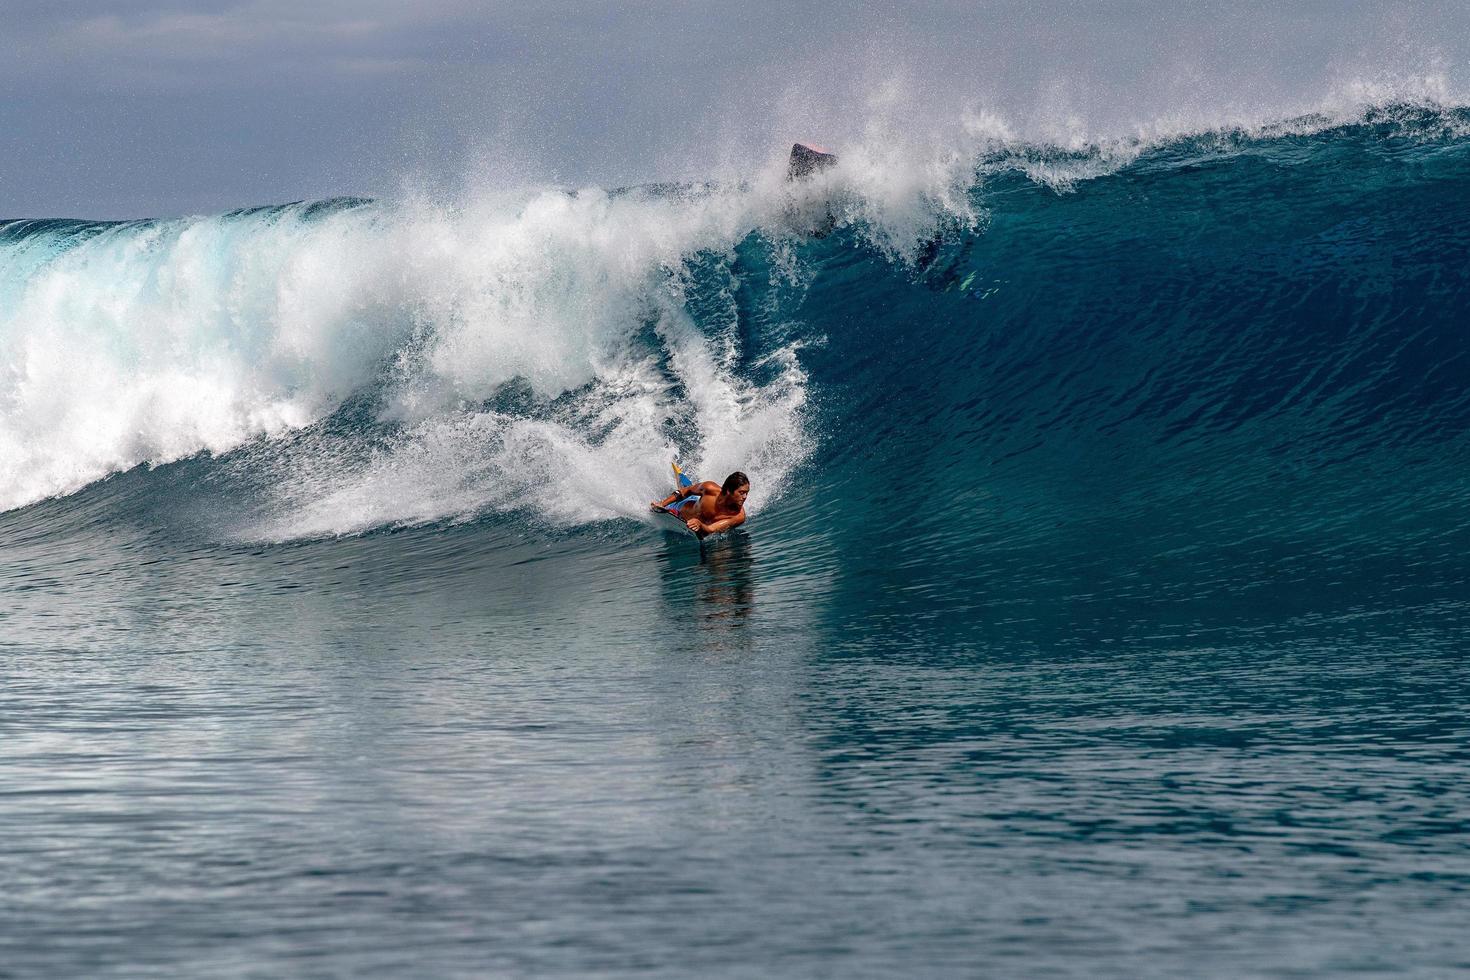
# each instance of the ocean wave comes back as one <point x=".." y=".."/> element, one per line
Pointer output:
<point x="353" y="364"/>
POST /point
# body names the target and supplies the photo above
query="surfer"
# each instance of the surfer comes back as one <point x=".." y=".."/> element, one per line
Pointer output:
<point x="809" y="215"/>
<point x="709" y="507"/>
<point x="806" y="160"/>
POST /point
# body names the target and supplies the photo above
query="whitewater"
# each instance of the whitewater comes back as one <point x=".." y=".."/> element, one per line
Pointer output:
<point x="1102" y="609"/>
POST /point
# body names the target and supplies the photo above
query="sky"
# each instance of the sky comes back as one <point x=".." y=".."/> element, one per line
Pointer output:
<point x="133" y="108"/>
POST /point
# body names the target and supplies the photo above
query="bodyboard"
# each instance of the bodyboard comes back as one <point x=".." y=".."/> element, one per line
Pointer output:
<point x="671" y="512"/>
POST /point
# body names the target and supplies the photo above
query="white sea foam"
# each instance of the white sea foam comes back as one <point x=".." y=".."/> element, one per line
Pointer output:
<point x="150" y="343"/>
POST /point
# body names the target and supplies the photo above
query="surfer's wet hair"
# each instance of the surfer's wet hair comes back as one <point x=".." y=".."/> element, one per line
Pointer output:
<point x="734" y="482"/>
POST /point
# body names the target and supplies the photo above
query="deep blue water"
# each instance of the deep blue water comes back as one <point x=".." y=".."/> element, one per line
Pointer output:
<point x="1103" y="610"/>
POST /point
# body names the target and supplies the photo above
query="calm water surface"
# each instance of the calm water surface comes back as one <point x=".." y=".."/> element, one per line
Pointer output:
<point x="595" y="757"/>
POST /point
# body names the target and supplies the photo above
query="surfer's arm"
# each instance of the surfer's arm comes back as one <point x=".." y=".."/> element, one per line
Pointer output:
<point x="715" y="527"/>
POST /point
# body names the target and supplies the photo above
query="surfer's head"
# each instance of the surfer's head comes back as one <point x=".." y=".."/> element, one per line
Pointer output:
<point x="737" y="484"/>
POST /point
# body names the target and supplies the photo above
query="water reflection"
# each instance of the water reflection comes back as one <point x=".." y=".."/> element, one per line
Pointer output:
<point x="711" y="592"/>
<point x="725" y="594"/>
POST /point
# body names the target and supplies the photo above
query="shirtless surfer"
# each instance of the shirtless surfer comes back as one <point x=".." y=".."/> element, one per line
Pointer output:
<point x="715" y="508"/>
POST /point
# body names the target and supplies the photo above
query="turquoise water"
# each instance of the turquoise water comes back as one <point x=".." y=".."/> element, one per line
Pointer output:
<point x="1102" y="610"/>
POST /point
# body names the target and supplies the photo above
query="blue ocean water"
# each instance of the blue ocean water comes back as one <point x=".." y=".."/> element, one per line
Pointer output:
<point x="1102" y="610"/>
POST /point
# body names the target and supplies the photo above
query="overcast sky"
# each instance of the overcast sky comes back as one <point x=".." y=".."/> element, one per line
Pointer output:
<point x="124" y="108"/>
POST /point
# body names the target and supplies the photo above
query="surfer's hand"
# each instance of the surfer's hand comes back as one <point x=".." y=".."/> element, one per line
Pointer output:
<point x="693" y="523"/>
